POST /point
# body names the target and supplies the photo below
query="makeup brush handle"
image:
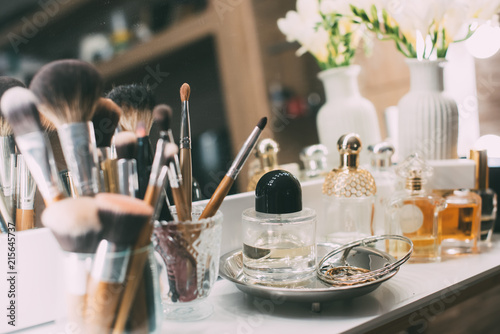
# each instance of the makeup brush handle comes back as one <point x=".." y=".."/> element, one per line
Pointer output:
<point x="139" y="313"/>
<point x="187" y="180"/>
<point x="183" y="214"/>
<point x="217" y="197"/>
<point x="56" y="198"/>
<point x="102" y="302"/>
<point x="25" y="219"/>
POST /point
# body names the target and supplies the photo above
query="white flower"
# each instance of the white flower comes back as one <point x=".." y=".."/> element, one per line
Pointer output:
<point x="342" y="7"/>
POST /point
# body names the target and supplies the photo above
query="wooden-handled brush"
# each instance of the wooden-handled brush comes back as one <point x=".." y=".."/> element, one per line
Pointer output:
<point x="68" y="91"/>
<point x="105" y="120"/>
<point x="228" y="180"/>
<point x="185" y="147"/>
<point x="122" y="217"/>
<point x="19" y="106"/>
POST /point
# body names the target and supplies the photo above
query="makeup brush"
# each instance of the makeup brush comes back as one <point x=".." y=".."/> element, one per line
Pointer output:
<point x="25" y="196"/>
<point x="185" y="146"/>
<point x="155" y="193"/>
<point x="19" y="106"/>
<point x="77" y="228"/>
<point x="122" y="218"/>
<point x="137" y="103"/>
<point x="68" y="91"/>
<point x="228" y="180"/>
<point x="126" y="178"/>
<point x="144" y="158"/>
<point x="105" y="120"/>
<point x="7" y="147"/>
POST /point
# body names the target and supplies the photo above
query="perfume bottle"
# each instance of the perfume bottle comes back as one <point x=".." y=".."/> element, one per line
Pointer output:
<point x="315" y="159"/>
<point x="414" y="212"/>
<point x="385" y="179"/>
<point x="488" y="196"/>
<point x="266" y="153"/>
<point x="278" y="234"/>
<point x="460" y="222"/>
<point x="348" y="193"/>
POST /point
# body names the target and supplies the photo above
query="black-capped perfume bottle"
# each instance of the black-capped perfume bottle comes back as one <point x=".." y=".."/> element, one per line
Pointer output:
<point x="278" y="234"/>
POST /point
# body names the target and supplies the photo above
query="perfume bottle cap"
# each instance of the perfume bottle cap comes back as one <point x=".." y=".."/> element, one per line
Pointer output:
<point x="278" y="192"/>
<point x="314" y="158"/>
<point x="381" y="154"/>
<point x="415" y="170"/>
<point x="267" y="152"/>
<point x="349" y="146"/>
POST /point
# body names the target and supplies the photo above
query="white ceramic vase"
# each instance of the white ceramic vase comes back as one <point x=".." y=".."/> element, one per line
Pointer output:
<point x="345" y="111"/>
<point x="428" y="118"/>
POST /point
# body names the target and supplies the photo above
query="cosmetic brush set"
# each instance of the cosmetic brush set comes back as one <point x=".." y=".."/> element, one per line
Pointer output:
<point x="119" y="184"/>
<point x="17" y="187"/>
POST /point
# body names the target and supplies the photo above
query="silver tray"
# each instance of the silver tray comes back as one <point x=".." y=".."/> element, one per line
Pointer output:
<point x="312" y="290"/>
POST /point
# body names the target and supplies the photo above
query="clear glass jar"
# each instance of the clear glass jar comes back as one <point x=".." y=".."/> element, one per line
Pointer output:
<point x="190" y="253"/>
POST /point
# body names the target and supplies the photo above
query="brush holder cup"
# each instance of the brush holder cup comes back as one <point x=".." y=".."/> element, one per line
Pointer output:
<point x="103" y="292"/>
<point x="190" y="252"/>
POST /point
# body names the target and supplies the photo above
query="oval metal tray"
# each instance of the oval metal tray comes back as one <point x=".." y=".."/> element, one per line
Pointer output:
<point x="312" y="290"/>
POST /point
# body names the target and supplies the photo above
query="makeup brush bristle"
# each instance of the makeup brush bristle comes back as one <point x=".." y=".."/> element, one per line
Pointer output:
<point x="122" y="217"/>
<point x="262" y="123"/>
<point x="75" y="224"/>
<point x="105" y="119"/>
<point x="185" y="92"/>
<point x="126" y="145"/>
<point x="162" y="115"/>
<point x="19" y="106"/>
<point x="137" y="103"/>
<point x="170" y="151"/>
<point x="68" y="91"/>
<point x="5" y="84"/>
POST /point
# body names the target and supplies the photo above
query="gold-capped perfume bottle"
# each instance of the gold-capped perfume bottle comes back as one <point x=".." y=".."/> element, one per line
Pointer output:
<point x="266" y="152"/>
<point x="348" y="192"/>
<point x="414" y="212"/>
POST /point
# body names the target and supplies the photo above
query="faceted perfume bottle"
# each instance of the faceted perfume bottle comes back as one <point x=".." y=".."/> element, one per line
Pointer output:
<point x="488" y="196"/>
<point x="460" y="222"/>
<point x="315" y="159"/>
<point x="279" y="244"/>
<point x="414" y="213"/>
<point x="348" y="193"/>
<point x="266" y="152"/>
<point x="385" y="179"/>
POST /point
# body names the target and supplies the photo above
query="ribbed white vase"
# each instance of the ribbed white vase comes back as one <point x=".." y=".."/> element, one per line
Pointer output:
<point x="428" y="118"/>
<point x="345" y="111"/>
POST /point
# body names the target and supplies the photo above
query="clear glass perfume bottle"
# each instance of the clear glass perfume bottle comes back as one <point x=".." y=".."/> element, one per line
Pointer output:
<point x="460" y="222"/>
<point x="348" y="193"/>
<point x="315" y="159"/>
<point x="414" y="212"/>
<point x="278" y="234"/>
<point x="266" y="152"/>
<point x="488" y="196"/>
<point x="385" y="179"/>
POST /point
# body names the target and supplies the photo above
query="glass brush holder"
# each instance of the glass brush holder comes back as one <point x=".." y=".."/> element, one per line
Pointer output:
<point x="190" y="253"/>
<point x="92" y="300"/>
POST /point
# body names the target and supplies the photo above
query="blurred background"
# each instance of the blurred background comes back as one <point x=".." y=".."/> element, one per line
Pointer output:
<point x="239" y="66"/>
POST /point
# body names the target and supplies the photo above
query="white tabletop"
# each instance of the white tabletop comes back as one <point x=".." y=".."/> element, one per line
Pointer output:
<point x="414" y="286"/>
